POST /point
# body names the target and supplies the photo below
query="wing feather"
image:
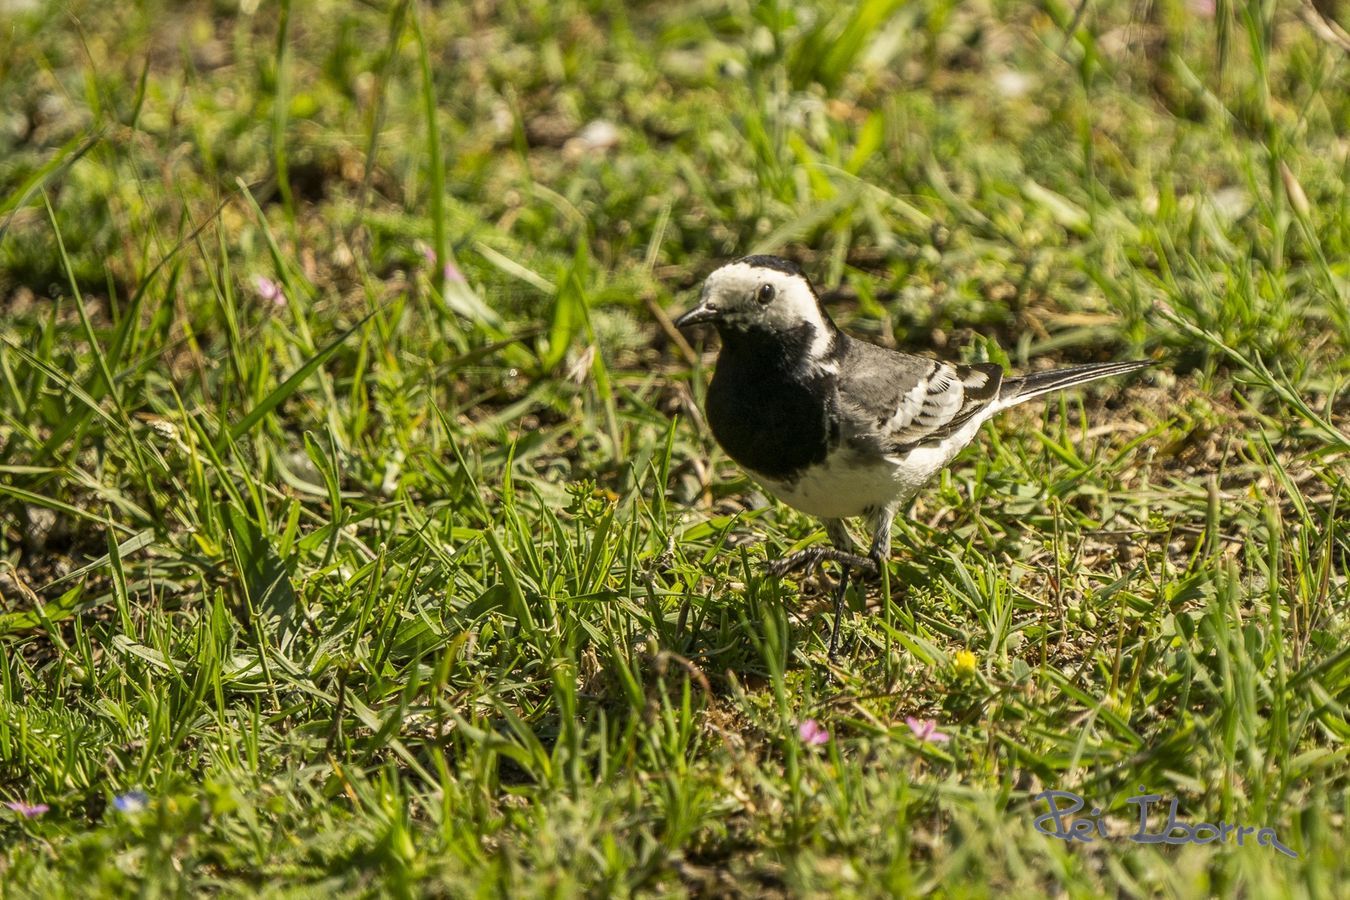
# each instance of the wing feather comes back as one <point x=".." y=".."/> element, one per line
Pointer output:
<point x="901" y="401"/>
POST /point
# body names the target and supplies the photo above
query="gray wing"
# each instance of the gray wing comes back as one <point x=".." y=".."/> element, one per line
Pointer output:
<point x="892" y="402"/>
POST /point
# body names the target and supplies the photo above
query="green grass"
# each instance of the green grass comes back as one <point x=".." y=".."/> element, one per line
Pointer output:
<point x="407" y="584"/>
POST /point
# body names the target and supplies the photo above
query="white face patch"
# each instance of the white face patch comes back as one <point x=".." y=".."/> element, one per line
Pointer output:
<point x="735" y="289"/>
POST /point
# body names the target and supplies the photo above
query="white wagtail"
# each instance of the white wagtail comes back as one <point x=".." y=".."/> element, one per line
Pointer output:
<point x="837" y="427"/>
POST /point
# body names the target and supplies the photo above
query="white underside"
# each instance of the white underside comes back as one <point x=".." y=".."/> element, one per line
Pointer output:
<point x="848" y="483"/>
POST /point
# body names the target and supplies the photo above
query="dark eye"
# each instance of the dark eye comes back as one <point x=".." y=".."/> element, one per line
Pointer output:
<point x="765" y="293"/>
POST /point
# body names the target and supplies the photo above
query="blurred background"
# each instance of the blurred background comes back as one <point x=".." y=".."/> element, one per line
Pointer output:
<point x="986" y="163"/>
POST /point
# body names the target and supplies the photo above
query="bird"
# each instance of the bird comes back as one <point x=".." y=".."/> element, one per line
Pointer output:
<point x="837" y="427"/>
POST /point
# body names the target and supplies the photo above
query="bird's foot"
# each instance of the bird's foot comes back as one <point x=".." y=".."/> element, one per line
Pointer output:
<point x="868" y="566"/>
<point x="812" y="557"/>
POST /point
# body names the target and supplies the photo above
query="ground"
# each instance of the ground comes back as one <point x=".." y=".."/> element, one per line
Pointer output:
<point x="360" y="533"/>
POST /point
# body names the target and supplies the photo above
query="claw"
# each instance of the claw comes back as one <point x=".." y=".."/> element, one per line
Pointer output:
<point x="814" y="556"/>
<point x="777" y="568"/>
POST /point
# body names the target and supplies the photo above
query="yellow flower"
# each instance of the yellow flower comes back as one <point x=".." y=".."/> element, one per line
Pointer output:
<point x="964" y="663"/>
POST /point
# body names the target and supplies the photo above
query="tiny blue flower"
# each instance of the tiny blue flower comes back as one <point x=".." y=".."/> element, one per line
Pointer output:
<point x="131" y="801"/>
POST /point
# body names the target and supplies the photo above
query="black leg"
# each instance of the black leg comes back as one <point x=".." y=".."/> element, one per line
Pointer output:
<point x="839" y="594"/>
<point x="865" y="566"/>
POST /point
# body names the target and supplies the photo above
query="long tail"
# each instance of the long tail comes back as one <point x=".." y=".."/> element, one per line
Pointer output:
<point x="1020" y="390"/>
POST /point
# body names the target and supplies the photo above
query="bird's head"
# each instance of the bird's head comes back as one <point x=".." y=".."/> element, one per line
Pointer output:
<point x="766" y="295"/>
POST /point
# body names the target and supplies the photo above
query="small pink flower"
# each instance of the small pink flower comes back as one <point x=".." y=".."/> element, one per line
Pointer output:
<point x="812" y="734"/>
<point x="27" y="810"/>
<point x="269" y="290"/>
<point x="1205" y="9"/>
<point x="926" y="730"/>
<point x="451" y="271"/>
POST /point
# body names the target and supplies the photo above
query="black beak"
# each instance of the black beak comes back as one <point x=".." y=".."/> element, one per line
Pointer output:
<point x="699" y="315"/>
